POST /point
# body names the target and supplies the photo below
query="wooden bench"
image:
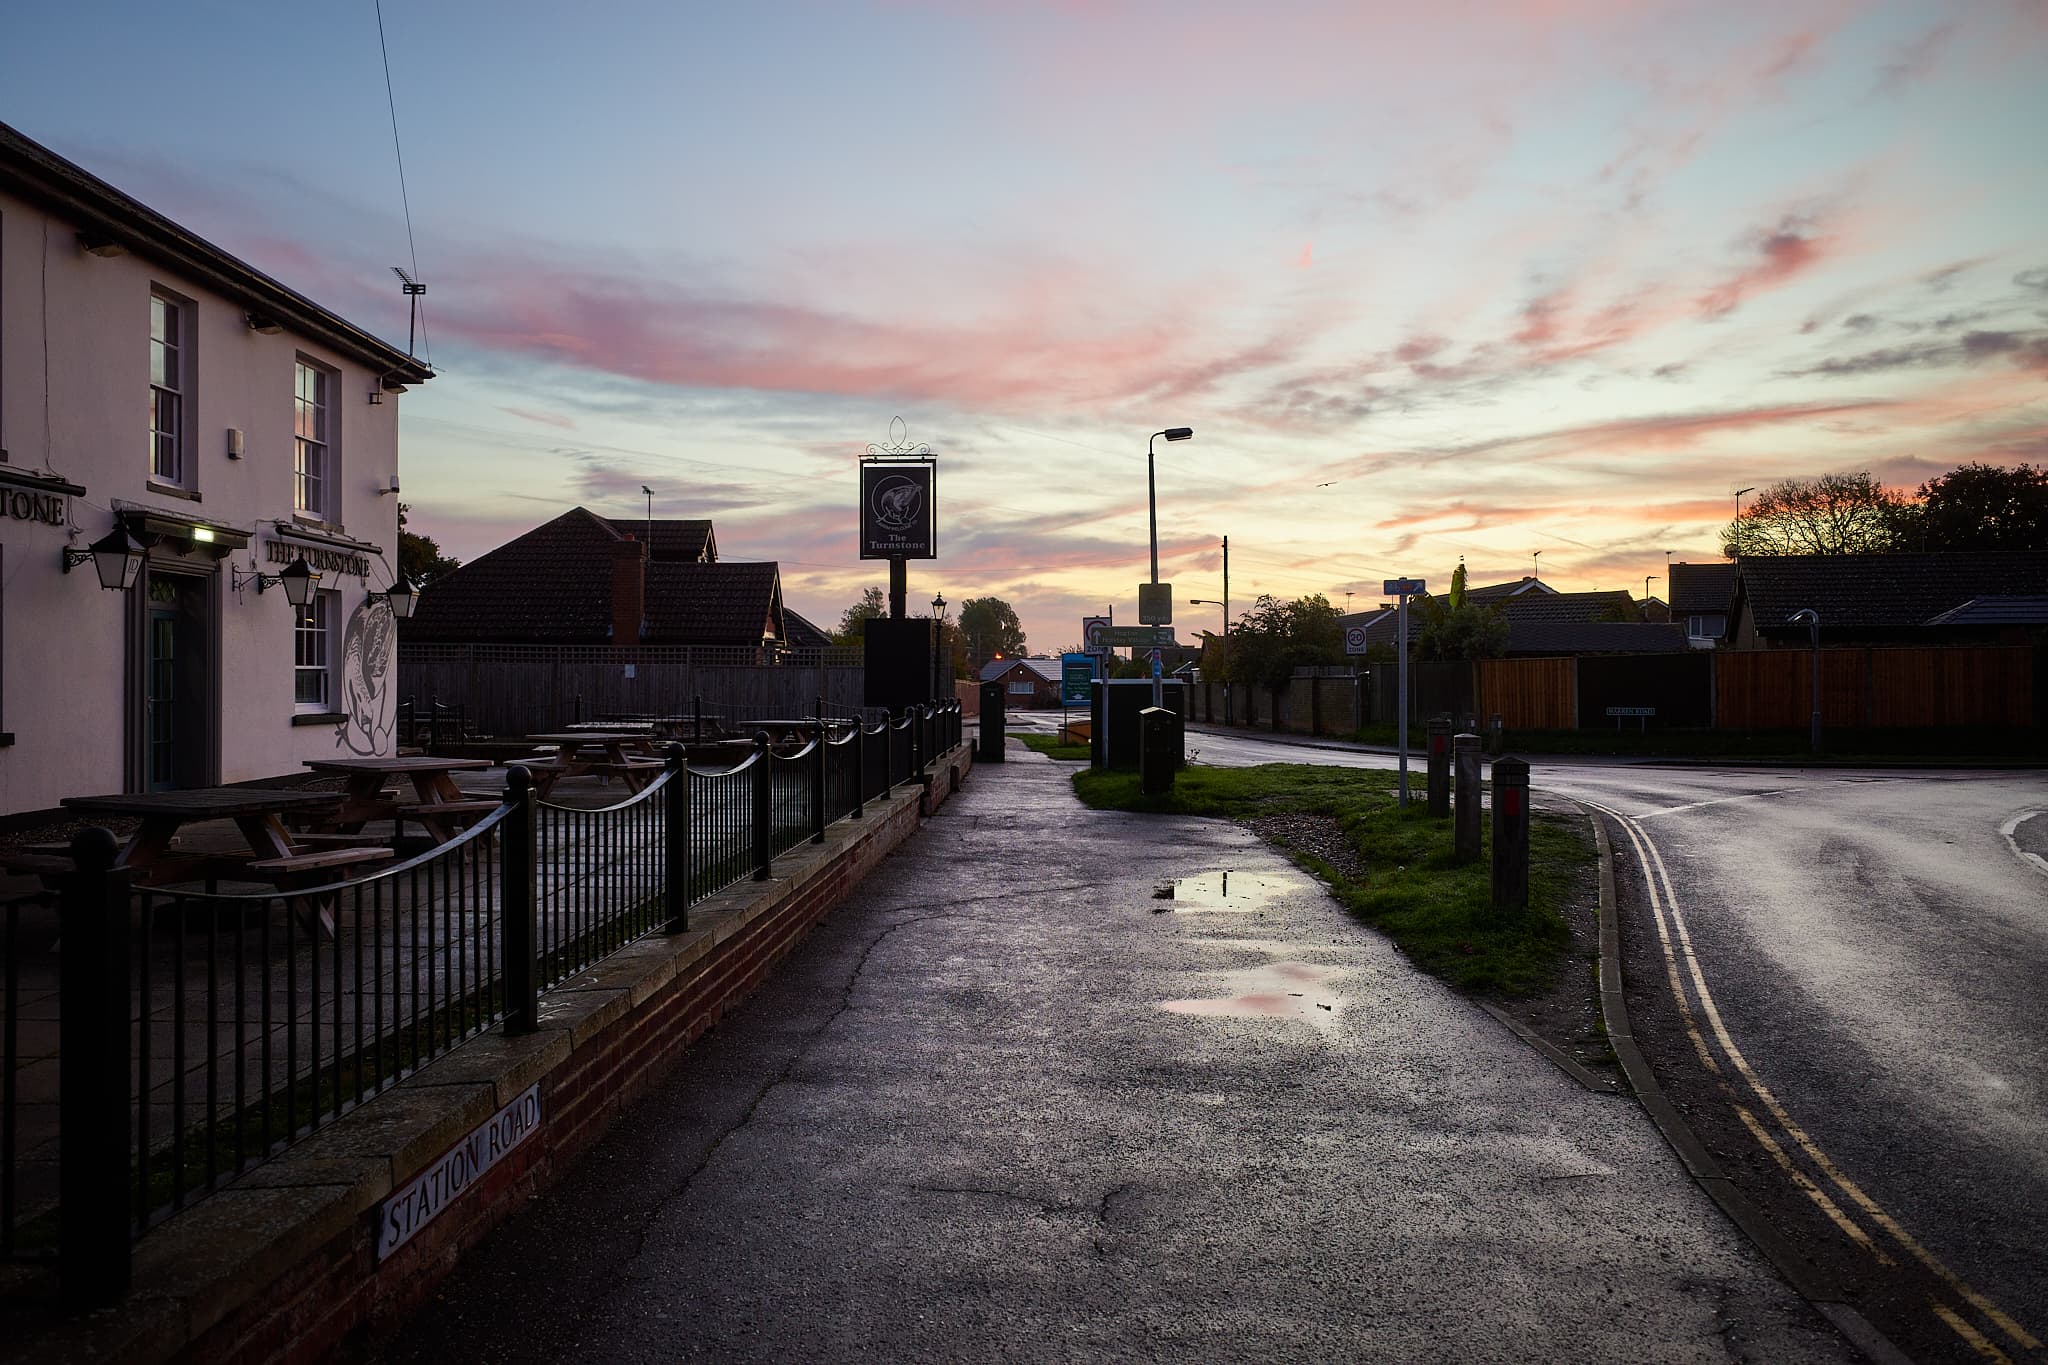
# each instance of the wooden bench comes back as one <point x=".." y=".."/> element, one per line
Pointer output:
<point x="442" y="819"/>
<point x="304" y="871"/>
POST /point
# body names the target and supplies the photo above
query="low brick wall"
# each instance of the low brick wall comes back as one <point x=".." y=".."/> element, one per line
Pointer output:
<point x="281" y="1266"/>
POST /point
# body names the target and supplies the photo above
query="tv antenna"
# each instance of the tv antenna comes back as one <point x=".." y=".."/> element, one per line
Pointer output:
<point x="413" y="290"/>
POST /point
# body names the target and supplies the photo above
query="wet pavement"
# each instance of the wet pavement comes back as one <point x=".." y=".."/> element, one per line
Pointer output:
<point x="1011" y="1102"/>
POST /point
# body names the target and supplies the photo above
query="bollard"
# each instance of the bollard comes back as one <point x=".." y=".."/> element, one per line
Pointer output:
<point x="1465" y="827"/>
<point x="517" y="869"/>
<point x="1510" y="835"/>
<point x="1499" y="744"/>
<point x="676" y="842"/>
<point x="990" y="750"/>
<point x="94" y="1170"/>
<point x="1439" y="731"/>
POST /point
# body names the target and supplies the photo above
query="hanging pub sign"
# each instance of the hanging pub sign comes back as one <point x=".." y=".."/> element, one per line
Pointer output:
<point x="897" y="515"/>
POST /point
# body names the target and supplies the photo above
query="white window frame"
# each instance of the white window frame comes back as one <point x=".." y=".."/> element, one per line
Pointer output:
<point x="315" y="461"/>
<point x="170" y="385"/>
<point x="1021" y="687"/>
<point x="314" y="647"/>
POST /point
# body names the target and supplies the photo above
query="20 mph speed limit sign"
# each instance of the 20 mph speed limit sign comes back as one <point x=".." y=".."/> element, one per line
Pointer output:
<point x="1354" y="640"/>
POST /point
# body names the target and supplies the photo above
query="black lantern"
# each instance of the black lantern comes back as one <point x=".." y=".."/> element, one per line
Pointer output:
<point x="402" y="595"/>
<point x="299" y="580"/>
<point x="115" y="558"/>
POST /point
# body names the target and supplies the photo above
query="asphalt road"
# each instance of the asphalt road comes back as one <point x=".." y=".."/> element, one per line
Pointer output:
<point x="1009" y="1104"/>
<point x="1861" y="956"/>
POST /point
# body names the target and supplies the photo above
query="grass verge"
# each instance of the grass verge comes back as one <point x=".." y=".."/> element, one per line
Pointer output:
<point x="1394" y="867"/>
<point x="1838" y="745"/>
<point x="1052" y="748"/>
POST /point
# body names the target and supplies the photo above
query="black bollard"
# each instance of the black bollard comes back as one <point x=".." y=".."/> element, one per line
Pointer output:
<point x="1510" y="835"/>
<point x="1439" y="731"/>
<point x="1465" y="827"/>
<point x="990" y="750"/>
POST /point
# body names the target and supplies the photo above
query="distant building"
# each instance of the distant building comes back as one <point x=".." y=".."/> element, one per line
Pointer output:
<point x="1027" y="683"/>
<point x="1701" y="595"/>
<point x="1948" y="597"/>
<point x="159" y="395"/>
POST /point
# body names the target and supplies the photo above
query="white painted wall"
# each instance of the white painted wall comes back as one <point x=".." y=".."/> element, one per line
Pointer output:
<point x="74" y="391"/>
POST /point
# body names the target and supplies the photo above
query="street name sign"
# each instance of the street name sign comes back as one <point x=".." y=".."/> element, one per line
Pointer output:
<point x="1631" y="710"/>
<point x="1403" y="587"/>
<point x="422" y="1199"/>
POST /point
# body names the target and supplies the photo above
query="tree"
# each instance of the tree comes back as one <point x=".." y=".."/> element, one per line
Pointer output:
<point x="1835" y="514"/>
<point x="1983" y="507"/>
<point x="992" y="627"/>
<point x="419" y="558"/>
<point x="1274" y="638"/>
<point x="871" y="605"/>
<point x="1469" y="630"/>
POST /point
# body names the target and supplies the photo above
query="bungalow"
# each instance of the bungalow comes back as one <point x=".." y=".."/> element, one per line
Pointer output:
<point x="1027" y="683"/>
<point x="1701" y="595"/>
<point x="1945" y="597"/>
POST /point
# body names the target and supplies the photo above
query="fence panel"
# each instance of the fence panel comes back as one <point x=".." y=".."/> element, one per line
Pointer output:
<point x="1527" y="694"/>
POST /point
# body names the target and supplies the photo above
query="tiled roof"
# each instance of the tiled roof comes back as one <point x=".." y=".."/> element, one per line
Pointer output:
<point x="2029" y="610"/>
<point x="1521" y="587"/>
<point x="553" y="585"/>
<point x="1565" y="607"/>
<point x="1594" y="637"/>
<point x="1867" y="591"/>
<point x="713" y="604"/>
<point x="686" y="541"/>
<point x="799" y="633"/>
<point x="1048" y="669"/>
<point x="1702" y="588"/>
<point x="1382" y="625"/>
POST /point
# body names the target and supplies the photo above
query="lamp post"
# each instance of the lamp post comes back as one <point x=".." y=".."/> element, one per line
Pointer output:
<point x="938" y="642"/>
<point x="1151" y="488"/>
<point x="1738" y="517"/>
<point x="1810" y="618"/>
<point x="1536" y="564"/>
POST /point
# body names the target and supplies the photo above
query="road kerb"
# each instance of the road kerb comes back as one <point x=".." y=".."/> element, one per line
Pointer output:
<point x="1805" y="1280"/>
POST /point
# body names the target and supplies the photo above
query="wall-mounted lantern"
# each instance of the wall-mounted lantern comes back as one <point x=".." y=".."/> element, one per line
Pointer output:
<point x="402" y="595"/>
<point x="296" y="578"/>
<point x="115" y="557"/>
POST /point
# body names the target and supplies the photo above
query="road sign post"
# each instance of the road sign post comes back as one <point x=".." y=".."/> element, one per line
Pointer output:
<point x="1402" y="589"/>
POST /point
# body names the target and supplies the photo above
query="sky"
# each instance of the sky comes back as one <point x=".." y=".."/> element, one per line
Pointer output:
<point x="1534" y="283"/>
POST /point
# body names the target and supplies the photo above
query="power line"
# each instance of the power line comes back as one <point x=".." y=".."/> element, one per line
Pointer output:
<point x="391" y="101"/>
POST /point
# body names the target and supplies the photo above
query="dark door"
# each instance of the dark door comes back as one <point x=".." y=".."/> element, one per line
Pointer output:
<point x="175" y="684"/>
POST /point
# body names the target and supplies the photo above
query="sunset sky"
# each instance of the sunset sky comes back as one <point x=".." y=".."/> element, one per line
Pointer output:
<point x="1427" y="280"/>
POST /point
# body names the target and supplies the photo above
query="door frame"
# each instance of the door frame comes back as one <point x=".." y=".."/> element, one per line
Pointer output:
<point x="135" y="746"/>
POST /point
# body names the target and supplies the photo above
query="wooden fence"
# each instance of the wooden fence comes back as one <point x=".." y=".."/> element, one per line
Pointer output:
<point x="519" y="689"/>
<point x="1990" y="685"/>
<point x="1529" y="694"/>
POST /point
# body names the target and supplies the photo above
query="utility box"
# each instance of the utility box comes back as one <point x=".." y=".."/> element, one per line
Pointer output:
<point x="990" y="749"/>
<point x="1159" y="750"/>
<point x="1113" y="711"/>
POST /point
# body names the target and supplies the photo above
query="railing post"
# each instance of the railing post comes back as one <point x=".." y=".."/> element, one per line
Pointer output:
<point x="433" y="720"/>
<point x="676" y="842"/>
<point x="916" y="740"/>
<point x="697" y="718"/>
<point x="818" y="821"/>
<point x="1510" y="835"/>
<point x="518" y="871"/>
<point x="95" y="1180"/>
<point x="764" y="809"/>
<point x="860" y="765"/>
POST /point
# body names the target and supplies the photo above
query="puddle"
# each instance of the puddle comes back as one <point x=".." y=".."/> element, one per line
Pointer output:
<point x="1224" y="891"/>
<point x="1278" y="990"/>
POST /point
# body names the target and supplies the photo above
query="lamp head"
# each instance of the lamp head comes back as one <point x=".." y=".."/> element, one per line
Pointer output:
<point x="402" y="596"/>
<point x="116" y="559"/>
<point x="1178" y="433"/>
<point x="298" y="580"/>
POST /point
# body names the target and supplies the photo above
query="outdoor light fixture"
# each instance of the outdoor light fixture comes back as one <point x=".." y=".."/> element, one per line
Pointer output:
<point x="296" y="578"/>
<point x="115" y="558"/>
<point x="939" y="605"/>
<point x="401" y="596"/>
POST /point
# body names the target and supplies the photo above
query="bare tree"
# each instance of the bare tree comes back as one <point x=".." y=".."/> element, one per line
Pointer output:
<point x="1835" y="514"/>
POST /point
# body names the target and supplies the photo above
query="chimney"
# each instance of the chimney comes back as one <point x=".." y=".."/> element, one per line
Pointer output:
<point x="629" y="591"/>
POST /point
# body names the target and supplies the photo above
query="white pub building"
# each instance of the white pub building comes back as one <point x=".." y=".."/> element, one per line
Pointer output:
<point x="198" y="510"/>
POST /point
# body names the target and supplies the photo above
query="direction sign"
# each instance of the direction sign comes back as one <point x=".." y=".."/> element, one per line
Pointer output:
<point x="1404" y="587"/>
<point x="1354" y="640"/>
<point x="1141" y="637"/>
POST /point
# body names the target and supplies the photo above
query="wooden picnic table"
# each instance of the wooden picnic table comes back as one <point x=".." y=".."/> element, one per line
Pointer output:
<point x="258" y="812"/>
<point x="441" y="807"/>
<point x="636" y="769"/>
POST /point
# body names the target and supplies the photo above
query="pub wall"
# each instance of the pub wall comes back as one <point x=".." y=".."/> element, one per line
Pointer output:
<point x="69" y="651"/>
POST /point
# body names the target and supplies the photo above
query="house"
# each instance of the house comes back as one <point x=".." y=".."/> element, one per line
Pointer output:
<point x="1534" y="639"/>
<point x="146" y="645"/>
<point x="1565" y="608"/>
<point x="1946" y="597"/>
<point x="1701" y="595"/>
<point x="1027" y="683"/>
<point x="583" y="579"/>
<point x="799" y="633"/>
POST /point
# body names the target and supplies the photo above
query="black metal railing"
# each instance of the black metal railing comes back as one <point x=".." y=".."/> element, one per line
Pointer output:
<point x="437" y="722"/>
<point x="183" y="1036"/>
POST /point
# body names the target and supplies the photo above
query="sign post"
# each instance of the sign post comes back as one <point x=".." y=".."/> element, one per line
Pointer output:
<point x="1401" y="589"/>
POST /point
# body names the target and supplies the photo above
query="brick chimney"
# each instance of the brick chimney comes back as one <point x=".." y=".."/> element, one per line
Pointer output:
<point x="629" y="591"/>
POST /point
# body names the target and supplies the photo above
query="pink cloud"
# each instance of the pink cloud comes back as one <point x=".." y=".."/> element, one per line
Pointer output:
<point x="1785" y="252"/>
<point x="546" y="419"/>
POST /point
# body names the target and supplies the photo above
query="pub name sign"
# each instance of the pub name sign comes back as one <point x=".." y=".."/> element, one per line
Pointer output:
<point x="318" y="558"/>
<point x="22" y="505"/>
<point x="897" y="517"/>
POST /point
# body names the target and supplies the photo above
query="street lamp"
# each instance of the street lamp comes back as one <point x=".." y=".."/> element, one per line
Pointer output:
<point x="1151" y="488"/>
<point x="1212" y="602"/>
<point x="1738" y="517"/>
<point x="939" y="641"/>
<point x="115" y="558"/>
<point x="1810" y="618"/>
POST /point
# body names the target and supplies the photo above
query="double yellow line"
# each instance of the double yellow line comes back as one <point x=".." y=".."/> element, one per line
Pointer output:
<point x="1714" y="1046"/>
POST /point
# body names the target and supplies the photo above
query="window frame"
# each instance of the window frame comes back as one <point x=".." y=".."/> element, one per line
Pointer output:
<point x="178" y="389"/>
<point x="325" y="613"/>
<point x="327" y="418"/>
